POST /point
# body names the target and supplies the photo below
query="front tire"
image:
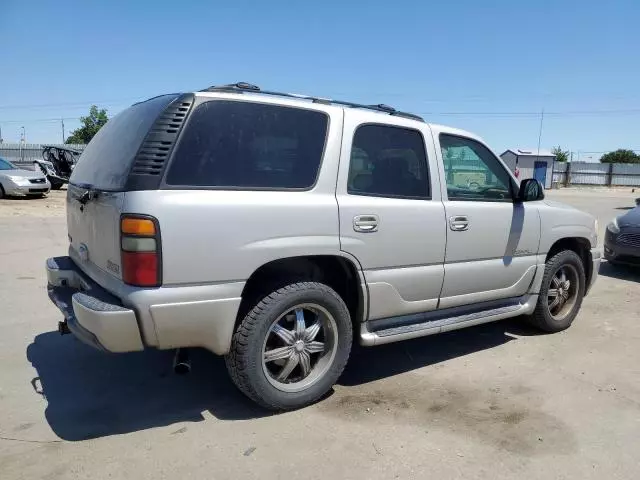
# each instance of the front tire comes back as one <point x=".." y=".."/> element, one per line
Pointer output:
<point x="561" y="293"/>
<point x="291" y="348"/>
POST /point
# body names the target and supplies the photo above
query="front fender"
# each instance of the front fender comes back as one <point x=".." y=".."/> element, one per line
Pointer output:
<point x="561" y="232"/>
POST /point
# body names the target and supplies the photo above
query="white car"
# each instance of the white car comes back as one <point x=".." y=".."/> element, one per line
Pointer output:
<point x="18" y="182"/>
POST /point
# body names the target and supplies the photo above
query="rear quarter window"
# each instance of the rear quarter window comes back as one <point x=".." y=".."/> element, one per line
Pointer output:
<point x="234" y="144"/>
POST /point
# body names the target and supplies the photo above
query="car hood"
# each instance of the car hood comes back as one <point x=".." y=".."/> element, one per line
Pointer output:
<point x="18" y="172"/>
<point x="630" y="219"/>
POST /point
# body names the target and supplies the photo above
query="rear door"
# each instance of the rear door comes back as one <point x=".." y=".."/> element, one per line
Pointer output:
<point x="97" y="188"/>
<point x="391" y="213"/>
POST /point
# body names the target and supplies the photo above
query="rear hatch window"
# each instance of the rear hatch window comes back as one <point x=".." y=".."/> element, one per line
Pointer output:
<point x="234" y="144"/>
<point x="106" y="161"/>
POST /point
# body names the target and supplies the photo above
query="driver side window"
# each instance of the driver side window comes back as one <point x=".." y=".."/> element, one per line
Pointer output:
<point x="473" y="173"/>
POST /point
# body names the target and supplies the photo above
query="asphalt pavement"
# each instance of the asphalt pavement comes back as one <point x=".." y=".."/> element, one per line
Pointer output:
<point x="497" y="401"/>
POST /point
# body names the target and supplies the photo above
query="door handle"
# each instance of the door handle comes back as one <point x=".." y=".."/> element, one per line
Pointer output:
<point x="365" y="223"/>
<point x="459" y="223"/>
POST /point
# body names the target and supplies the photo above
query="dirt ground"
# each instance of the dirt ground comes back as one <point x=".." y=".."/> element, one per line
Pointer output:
<point x="51" y="206"/>
<point x="498" y="401"/>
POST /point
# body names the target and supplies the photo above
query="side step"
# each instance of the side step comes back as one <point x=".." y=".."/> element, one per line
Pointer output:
<point x="430" y="326"/>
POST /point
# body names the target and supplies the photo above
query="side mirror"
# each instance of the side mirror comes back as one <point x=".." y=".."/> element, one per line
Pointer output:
<point x="530" y="190"/>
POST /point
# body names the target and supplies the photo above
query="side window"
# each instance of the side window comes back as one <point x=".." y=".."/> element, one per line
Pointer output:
<point x="388" y="161"/>
<point x="234" y="144"/>
<point x="473" y="172"/>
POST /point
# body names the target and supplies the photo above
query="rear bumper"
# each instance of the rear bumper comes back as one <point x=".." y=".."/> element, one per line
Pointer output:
<point x="93" y="315"/>
<point x="165" y="317"/>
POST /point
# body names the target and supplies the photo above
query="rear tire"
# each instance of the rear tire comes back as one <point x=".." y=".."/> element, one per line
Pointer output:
<point x="561" y="292"/>
<point x="292" y="346"/>
<point x="1" y="192"/>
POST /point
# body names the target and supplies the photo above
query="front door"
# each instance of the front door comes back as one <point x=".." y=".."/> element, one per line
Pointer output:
<point x="492" y="242"/>
<point x="540" y="172"/>
<point x="391" y="214"/>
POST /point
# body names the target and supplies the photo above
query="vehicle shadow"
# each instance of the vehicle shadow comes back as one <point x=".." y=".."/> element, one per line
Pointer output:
<point x="93" y="394"/>
<point x="620" y="272"/>
<point x="370" y="364"/>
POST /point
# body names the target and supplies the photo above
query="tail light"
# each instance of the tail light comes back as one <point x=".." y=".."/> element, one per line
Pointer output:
<point x="140" y="251"/>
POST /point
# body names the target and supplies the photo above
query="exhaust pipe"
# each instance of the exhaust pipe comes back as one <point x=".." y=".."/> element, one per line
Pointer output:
<point x="181" y="362"/>
<point x="63" y="328"/>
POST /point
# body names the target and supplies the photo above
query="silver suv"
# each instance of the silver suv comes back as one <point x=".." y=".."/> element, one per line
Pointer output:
<point x="273" y="228"/>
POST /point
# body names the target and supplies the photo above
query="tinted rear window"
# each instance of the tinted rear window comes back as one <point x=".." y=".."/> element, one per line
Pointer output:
<point x="249" y="145"/>
<point x="388" y="161"/>
<point x="106" y="161"/>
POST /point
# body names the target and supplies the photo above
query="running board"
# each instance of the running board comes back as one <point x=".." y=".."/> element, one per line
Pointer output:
<point x="431" y="327"/>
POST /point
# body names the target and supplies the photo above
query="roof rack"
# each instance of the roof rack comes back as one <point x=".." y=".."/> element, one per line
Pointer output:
<point x="242" y="87"/>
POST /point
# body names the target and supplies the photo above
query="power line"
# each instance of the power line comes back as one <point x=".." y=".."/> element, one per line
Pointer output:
<point x="70" y="104"/>
<point x="40" y="120"/>
<point x="634" y="111"/>
<point x="503" y="114"/>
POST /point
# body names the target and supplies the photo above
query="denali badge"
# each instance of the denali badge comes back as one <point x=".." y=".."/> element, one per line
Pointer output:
<point x="115" y="268"/>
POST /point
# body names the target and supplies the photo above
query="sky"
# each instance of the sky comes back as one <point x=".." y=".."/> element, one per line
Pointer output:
<point x="490" y="67"/>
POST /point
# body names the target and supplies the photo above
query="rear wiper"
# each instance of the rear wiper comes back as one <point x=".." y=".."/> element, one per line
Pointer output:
<point x="89" y="194"/>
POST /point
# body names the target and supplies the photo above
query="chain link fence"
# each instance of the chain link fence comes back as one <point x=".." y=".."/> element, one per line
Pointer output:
<point x="24" y="154"/>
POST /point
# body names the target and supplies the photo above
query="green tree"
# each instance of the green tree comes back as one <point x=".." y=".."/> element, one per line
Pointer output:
<point x="90" y="126"/>
<point x="620" y="156"/>
<point x="561" y="155"/>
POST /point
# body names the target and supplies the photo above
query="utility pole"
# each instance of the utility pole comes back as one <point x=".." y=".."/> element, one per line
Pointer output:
<point x="62" y="122"/>
<point x="567" y="172"/>
<point x="540" y="133"/>
<point x="23" y="140"/>
<point x="0" y="134"/>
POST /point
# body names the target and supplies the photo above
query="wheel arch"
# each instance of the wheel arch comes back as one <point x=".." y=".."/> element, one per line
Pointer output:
<point x="341" y="272"/>
<point x="581" y="246"/>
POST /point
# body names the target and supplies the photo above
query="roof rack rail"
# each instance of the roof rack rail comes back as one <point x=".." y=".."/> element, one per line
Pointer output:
<point x="242" y="87"/>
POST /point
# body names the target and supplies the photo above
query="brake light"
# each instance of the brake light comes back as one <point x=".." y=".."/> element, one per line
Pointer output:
<point x="140" y="251"/>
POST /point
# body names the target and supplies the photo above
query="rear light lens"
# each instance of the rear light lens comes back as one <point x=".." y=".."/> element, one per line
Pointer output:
<point x="138" y="226"/>
<point x="138" y="244"/>
<point x="140" y="251"/>
<point x="140" y="269"/>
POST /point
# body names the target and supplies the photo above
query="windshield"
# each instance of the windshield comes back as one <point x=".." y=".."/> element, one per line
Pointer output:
<point x="6" y="165"/>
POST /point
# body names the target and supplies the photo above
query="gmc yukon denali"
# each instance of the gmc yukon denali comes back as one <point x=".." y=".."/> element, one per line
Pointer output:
<point x="273" y="228"/>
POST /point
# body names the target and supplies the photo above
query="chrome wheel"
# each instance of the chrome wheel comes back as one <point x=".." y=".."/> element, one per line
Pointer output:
<point x="299" y="347"/>
<point x="562" y="292"/>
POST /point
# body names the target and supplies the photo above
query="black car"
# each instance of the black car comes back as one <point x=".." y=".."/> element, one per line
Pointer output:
<point x="622" y="239"/>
